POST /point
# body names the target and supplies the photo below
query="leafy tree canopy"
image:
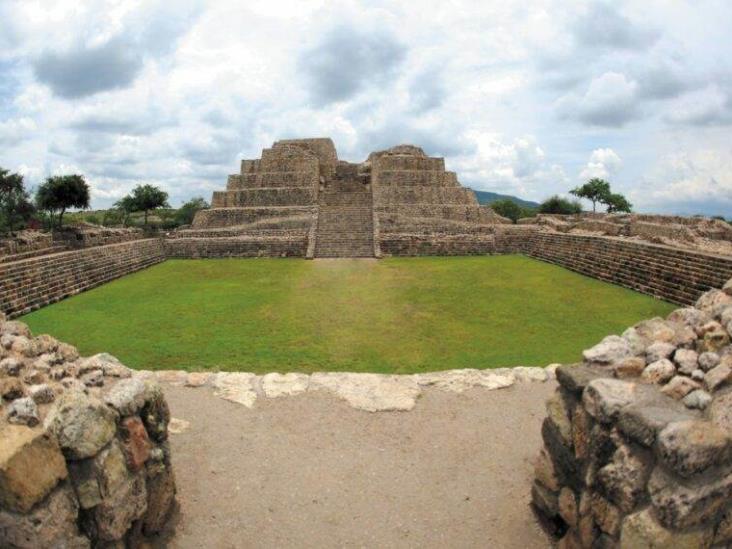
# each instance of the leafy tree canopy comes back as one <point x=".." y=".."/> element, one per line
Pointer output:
<point x="15" y="205"/>
<point x="558" y="205"/>
<point x="507" y="208"/>
<point x="186" y="213"/>
<point x="595" y="190"/>
<point x="60" y="192"/>
<point x="617" y="203"/>
<point x="143" y="199"/>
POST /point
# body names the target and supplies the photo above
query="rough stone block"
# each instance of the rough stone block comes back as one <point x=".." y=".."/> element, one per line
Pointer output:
<point x="659" y="350"/>
<point x="604" y="398"/>
<point x="691" y="447"/>
<point x="719" y="376"/>
<point x="630" y="367"/>
<point x="82" y="424"/>
<point x="135" y="442"/>
<point x="607" y="516"/>
<point x="558" y="412"/>
<point x="545" y="500"/>
<point x="624" y="479"/>
<point x="575" y="377"/>
<point x="160" y="497"/>
<point x="642" y="531"/>
<point x="544" y="471"/>
<point x="659" y="372"/>
<point x="642" y="421"/>
<point x="684" y="503"/>
<point x="680" y="386"/>
<point x="115" y="515"/>
<point x="610" y="350"/>
<point x="720" y="410"/>
<point x="31" y="464"/>
<point x="567" y="505"/>
<point x="562" y="457"/>
<point x="582" y="424"/>
<point x="687" y="360"/>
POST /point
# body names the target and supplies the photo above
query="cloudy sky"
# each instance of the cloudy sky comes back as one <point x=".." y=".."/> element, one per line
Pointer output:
<point x="527" y="98"/>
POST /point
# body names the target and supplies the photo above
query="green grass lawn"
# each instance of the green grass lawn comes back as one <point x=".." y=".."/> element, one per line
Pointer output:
<point x="393" y="315"/>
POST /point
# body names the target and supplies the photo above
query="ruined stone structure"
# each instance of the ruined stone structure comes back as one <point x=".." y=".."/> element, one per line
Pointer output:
<point x="638" y="438"/>
<point x="300" y="200"/>
<point x="84" y="455"/>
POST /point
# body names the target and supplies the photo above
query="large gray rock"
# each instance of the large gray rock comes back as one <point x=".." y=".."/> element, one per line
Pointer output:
<point x="641" y="530"/>
<point x="558" y="412"/>
<point x="624" y="478"/>
<point x="689" y="316"/>
<point x="680" y="386"/>
<point x="23" y="411"/>
<point x="604" y="398"/>
<point x="688" y="503"/>
<point x="575" y="377"/>
<point x="658" y="350"/>
<point x="82" y="424"/>
<point x="115" y="515"/>
<point x="655" y="329"/>
<point x="610" y="350"/>
<point x="720" y="410"/>
<point x="127" y="396"/>
<point x="713" y="301"/>
<point x="50" y="524"/>
<point x="719" y="376"/>
<point x="698" y="400"/>
<point x="691" y="447"/>
<point x="708" y="360"/>
<point x="687" y="360"/>
<point x="642" y="421"/>
<point x="660" y="371"/>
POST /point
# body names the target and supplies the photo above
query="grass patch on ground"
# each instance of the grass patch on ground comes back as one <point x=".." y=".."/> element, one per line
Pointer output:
<point x="394" y="315"/>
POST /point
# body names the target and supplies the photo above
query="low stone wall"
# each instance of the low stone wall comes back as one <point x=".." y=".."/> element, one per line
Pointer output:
<point x="86" y="236"/>
<point x="84" y="456"/>
<point x="195" y="248"/>
<point x="678" y="276"/>
<point x="33" y="283"/>
<point x="419" y="245"/>
<point x="638" y="438"/>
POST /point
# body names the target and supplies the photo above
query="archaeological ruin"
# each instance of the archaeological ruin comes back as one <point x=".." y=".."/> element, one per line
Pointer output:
<point x="637" y="440"/>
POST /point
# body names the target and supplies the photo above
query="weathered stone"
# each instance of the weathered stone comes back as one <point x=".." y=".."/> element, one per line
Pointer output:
<point x="95" y="378"/>
<point x="11" y="366"/>
<point x="82" y="424"/>
<point x="659" y="372"/>
<point x="604" y="398"/>
<point x="41" y="394"/>
<point x="655" y="329"/>
<point x="544" y="471"/>
<point x="15" y="328"/>
<point x="697" y="400"/>
<point x="686" y="361"/>
<point x="723" y="533"/>
<point x="33" y="377"/>
<point x="67" y="352"/>
<point x="684" y="503"/>
<point x="691" y="447"/>
<point x="136" y="443"/>
<point x="581" y="427"/>
<point x="624" y="479"/>
<point x="96" y="478"/>
<point x="658" y="350"/>
<point x="178" y="426"/>
<point x="276" y="385"/>
<point x="642" y="421"/>
<point x="127" y="396"/>
<point x="630" y="367"/>
<point x="23" y="411"/>
<point x="713" y="301"/>
<point x="708" y="360"/>
<point x="562" y="457"/>
<point x="727" y="288"/>
<point x="156" y="413"/>
<point x="107" y="363"/>
<point x="680" y="386"/>
<point x="114" y="516"/>
<point x="718" y="376"/>
<point x="11" y="388"/>
<point x="160" y="497"/>
<point x="235" y="387"/>
<point x="178" y="377"/>
<point x="698" y="375"/>
<point x="526" y="374"/>
<point x="51" y="524"/>
<point x="690" y="316"/>
<point x="636" y="341"/>
<point x="575" y="377"/>
<point x="610" y="350"/>
<point x="607" y="516"/>
<point x="720" y="410"/>
<point x="544" y="500"/>
<point x="31" y="464"/>
<point x="458" y="381"/>
<point x="46" y="343"/>
<point x="642" y="531"/>
<point x="558" y="412"/>
<point x="370" y="392"/>
<point x="198" y="379"/>
<point x="715" y="339"/>
<point x="567" y="506"/>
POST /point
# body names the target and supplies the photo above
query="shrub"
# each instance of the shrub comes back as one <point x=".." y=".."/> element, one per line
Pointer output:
<point x="558" y="205"/>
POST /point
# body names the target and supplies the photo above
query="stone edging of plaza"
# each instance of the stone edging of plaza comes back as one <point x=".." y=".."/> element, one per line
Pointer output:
<point x="363" y="391"/>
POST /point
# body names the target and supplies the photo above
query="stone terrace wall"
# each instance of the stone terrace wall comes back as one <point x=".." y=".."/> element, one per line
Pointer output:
<point x="676" y="275"/>
<point x="638" y="438"/>
<point x="32" y="283"/>
<point x="86" y="236"/>
<point x="84" y="456"/>
<point x="295" y="245"/>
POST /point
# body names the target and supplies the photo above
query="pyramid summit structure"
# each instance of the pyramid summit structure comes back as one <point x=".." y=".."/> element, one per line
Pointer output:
<point x="299" y="199"/>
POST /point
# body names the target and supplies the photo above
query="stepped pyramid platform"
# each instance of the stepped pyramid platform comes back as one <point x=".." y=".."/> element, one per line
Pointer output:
<point x="299" y="200"/>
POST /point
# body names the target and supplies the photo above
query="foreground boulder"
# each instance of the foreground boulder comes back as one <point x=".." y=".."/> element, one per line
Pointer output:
<point x="84" y="459"/>
<point x="638" y="438"/>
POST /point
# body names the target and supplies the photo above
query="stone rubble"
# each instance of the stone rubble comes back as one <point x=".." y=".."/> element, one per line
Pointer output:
<point x="638" y="437"/>
<point x="84" y="457"/>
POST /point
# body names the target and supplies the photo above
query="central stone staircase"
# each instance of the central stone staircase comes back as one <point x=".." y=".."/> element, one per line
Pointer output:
<point x="345" y="221"/>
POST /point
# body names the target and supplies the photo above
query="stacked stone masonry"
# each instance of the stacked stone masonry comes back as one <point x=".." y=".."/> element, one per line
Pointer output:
<point x="638" y="438"/>
<point x="33" y="283"/>
<point x="84" y="460"/>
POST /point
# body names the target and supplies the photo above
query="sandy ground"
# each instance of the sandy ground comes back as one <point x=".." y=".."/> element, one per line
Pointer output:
<point x="310" y="471"/>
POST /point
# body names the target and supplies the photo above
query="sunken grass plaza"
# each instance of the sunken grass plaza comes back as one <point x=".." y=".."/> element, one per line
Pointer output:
<point x="400" y="315"/>
<point x="360" y="354"/>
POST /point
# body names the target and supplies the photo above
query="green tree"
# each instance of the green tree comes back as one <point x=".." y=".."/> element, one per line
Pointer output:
<point x="617" y="203"/>
<point x="186" y="213"/>
<point x="558" y="205"/>
<point x="126" y="206"/>
<point x="595" y="190"/>
<point x="60" y="192"/>
<point x="507" y="208"/>
<point x="148" y="197"/>
<point x="15" y="204"/>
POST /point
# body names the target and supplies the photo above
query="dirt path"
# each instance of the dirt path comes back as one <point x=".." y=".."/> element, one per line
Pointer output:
<point x="310" y="471"/>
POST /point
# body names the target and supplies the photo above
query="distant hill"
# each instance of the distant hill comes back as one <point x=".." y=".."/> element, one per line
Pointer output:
<point x="486" y="197"/>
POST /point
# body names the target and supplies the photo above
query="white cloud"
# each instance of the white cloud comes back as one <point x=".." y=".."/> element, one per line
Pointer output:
<point x="16" y="130"/>
<point x="603" y="164"/>
<point x="610" y="101"/>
